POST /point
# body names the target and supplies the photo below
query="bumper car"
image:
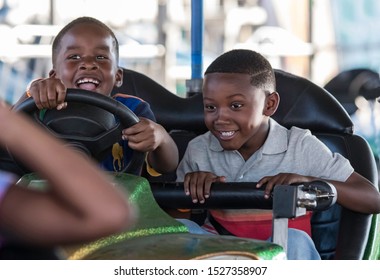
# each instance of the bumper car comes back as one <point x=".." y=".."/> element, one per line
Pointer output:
<point x="338" y="233"/>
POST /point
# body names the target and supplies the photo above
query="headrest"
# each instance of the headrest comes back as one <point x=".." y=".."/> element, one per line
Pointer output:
<point x="349" y="84"/>
<point x="307" y="105"/>
<point x="302" y="104"/>
<point x="172" y="111"/>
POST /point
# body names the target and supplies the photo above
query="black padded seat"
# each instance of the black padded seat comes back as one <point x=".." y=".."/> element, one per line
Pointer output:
<point x="171" y="111"/>
<point x="306" y="105"/>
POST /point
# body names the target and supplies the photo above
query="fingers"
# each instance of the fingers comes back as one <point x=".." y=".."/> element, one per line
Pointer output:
<point x="194" y="186"/>
<point x="209" y="180"/>
<point x="268" y="186"/>
<point x="198" y="185"/>
<point x="144" y="136"/>
<point x="136" y="129"/>
<point x="186" y="184"/>
<point x="280" y="179"/>
<point x="62" y="106"/>
<point x="271" y="181"/>
<point x="61" y="95"/>
<point x="48" y="93"/>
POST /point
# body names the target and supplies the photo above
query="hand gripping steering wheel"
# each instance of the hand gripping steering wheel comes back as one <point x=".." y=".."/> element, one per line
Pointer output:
<point x="92" y="123"/>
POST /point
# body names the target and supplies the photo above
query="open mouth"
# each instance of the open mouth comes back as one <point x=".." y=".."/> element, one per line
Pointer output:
<point x="88" y="84"/>
<point x="226" y="135"/>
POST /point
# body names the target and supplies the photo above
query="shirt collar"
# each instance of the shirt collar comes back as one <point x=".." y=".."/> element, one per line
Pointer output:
<point x="214" y="143"/>
<point x="277" y="140"/>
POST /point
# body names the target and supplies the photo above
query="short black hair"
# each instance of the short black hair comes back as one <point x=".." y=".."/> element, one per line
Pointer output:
<point x="249" y="62"/>
<point x="78" y="21"/>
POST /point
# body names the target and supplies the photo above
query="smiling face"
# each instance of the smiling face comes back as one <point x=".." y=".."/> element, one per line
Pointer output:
<point x="86" y="59"/>
<point x="236" y="112"/>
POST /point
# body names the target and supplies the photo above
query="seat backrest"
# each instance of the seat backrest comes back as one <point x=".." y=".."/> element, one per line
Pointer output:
<point x="171" y="111"/>
<point x="337" y="232"/>
<point x="306" y="105"/>
<point x="349" y="84"/>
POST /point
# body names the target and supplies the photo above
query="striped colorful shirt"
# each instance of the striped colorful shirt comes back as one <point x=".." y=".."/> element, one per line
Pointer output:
<point x="121" y="153"/>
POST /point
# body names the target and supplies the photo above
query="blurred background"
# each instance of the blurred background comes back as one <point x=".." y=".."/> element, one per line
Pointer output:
<point x="334" y="43"/>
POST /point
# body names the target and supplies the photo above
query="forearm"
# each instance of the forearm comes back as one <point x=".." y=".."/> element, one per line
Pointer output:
<point x="38" y="150"/>
<point x="358" y="194"/>
<point x="71" y="177"/>
<point x="164" y="158"/>
<point x="44" y="219"/>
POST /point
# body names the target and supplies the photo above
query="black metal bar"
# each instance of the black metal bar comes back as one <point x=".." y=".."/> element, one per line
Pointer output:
<point x="316" y="195"/>
<point x="223" y="196"/>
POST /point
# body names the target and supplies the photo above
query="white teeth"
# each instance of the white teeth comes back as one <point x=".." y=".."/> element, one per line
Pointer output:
<point x="88" y="80"/>
<point x="227" y="133"/>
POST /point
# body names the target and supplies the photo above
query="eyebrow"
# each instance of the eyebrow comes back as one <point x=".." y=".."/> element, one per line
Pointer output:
<point x="100" y="47"/>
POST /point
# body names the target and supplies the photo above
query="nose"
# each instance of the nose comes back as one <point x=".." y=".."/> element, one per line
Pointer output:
<point x="88" y="62"/>
<point x="222" y="115"/>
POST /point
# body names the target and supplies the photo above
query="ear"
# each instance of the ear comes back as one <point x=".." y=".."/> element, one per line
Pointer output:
<point x="52" y="73"/>
<point x="119" y="77"/>
<point x="271" y="103"/>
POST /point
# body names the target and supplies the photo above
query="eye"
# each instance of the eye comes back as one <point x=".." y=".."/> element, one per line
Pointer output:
<point x="236" y="106"/>
<point x="101" y="57"/>
<point x="209" y="108"/>
<point x="74" y="57"/>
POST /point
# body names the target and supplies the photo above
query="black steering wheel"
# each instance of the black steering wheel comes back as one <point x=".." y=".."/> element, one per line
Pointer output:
<point x="92" y="123"/>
